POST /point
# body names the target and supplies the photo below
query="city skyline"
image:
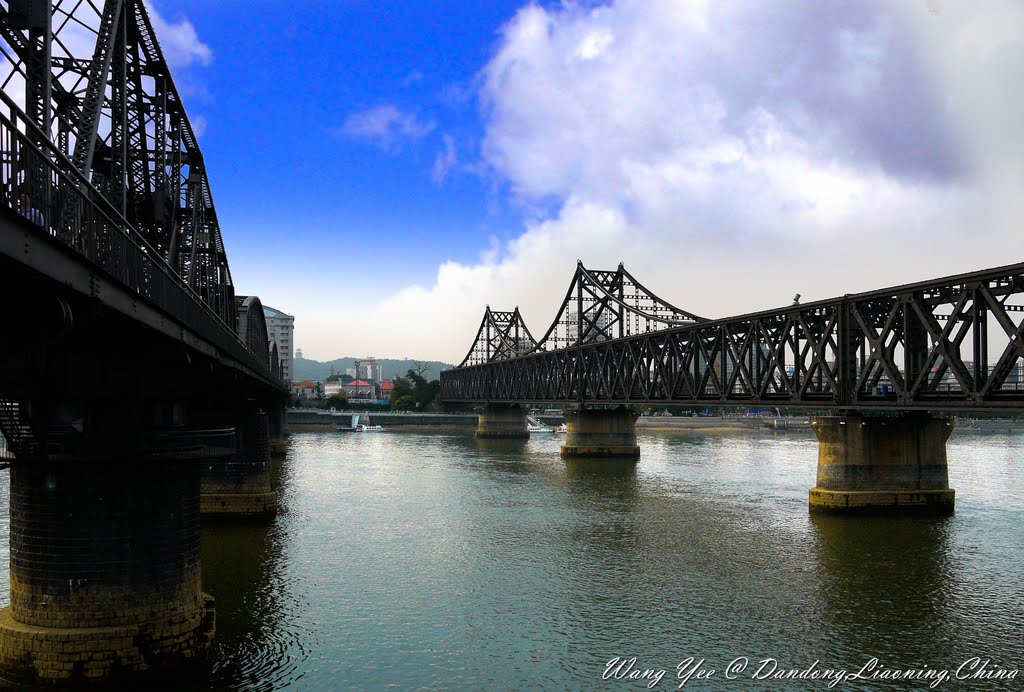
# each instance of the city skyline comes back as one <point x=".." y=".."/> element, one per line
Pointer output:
<point x="383" y="173"/>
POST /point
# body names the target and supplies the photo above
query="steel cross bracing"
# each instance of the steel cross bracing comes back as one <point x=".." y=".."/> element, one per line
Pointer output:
<point x="602" y="305"/>
<point x="608" y="305"/>
<point x="950" y="343"/>
<point x="501" y="335"/>
<point x="93" y="79"/>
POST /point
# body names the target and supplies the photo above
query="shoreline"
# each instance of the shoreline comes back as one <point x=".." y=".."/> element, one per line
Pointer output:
<point x="308" y="420"/>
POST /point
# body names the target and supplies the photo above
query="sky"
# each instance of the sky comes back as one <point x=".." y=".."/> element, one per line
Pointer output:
<point x="384" y="170"/>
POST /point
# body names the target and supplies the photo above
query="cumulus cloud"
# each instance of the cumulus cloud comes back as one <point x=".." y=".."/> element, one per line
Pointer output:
<point x="731" y="154"/>
<point x="179" y="40"/>
<point x="386" y="126"/>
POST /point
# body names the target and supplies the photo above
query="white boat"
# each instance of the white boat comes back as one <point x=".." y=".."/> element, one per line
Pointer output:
<point x="535" y="426"/>
<point x="356" y="426"/>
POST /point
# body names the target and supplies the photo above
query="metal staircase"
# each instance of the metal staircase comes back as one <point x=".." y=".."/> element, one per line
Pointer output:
<point x="16" y="430"/>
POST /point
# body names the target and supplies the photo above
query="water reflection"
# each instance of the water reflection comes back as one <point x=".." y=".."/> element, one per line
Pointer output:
<point x="261" y="640"/>
<point x="883" y="585"/>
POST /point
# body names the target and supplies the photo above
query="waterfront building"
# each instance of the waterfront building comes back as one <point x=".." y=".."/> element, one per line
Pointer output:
<point x="386" y="388"/>
<point x="334" y="387"/>
<point x="281" y="329"/>
<point x="368" y="369"/>
<point x="358" y="390"/>
<point x="304" y="389"/>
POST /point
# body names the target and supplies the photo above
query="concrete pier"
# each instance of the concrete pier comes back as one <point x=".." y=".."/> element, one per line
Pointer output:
<point x="882" y="465"/>
<point x="597" y="433"/>
<point x="239" y="486"/>
<point x="501" y="421"/>
<point x="278" y="426"/>
<point x="105" y="572"/>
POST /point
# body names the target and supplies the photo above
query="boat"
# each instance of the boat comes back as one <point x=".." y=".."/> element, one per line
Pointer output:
<point x="535" y="426"/>
<point x="357" y="426"/>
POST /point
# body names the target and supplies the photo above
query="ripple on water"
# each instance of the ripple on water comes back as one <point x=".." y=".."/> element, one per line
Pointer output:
<point x="430" y="561"/>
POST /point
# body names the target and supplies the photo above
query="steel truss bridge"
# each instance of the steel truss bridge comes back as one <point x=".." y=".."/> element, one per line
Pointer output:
<point x="110" y="247"/>
<point x="953" y="343"/>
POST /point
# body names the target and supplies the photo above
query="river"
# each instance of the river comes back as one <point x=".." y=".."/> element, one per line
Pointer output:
<point x="414" y="560"/>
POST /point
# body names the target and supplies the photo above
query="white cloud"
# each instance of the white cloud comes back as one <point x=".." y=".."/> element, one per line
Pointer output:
<point x="179" y="40"/>
<point x="445" y="161"/>
<point x="730" y="154"/>
<point x="385" y="125"/>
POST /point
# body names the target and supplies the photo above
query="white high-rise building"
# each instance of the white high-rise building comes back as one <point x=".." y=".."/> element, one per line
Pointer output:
<point x="281" y="329"/>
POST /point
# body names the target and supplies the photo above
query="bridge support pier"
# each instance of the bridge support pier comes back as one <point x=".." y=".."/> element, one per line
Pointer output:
<point x="875" y="465"/>
<point x="601" y="433"/>
<point x="504" y="421"/>
<point x="278" y="433"/>
<point x="105" y="572"/>
<point x="239" y="486"/>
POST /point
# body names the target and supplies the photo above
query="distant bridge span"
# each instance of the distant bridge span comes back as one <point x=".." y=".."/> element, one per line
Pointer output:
<point x="953" y="343"/>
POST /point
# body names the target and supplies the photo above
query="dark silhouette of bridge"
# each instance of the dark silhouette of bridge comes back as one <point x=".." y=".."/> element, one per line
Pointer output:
<point x="878" y="362"/>
<point x="953" y="343"/>
<point x="136" y="388"/>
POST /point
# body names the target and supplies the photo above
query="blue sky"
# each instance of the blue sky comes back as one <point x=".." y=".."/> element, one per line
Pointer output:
<point x="384" y="170"/>
<point x="274" y="99"/>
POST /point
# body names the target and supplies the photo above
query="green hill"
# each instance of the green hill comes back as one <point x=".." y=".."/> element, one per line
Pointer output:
<point x="306" y="369"/>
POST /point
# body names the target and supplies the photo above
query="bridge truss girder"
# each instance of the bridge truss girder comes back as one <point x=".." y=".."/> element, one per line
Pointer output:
<point x="609" y="304"/>
<point x="953" y="343"/>
<point x="96" y="82"/>
<point x="501" y="335"/>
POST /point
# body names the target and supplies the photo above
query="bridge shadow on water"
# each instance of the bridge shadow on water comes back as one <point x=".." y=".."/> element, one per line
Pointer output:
<point x="259" y="645"/>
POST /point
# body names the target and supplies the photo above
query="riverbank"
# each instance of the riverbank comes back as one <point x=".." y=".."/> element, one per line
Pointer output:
<point x="315" y="420"/>
<point x="311" y="420"/>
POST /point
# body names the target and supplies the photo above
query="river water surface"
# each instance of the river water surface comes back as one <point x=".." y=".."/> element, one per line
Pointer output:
<point x="429" y="561"/>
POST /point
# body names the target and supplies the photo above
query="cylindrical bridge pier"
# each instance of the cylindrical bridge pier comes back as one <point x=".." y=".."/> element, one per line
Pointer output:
<point x="502" y="421"/>
<point x="278" y="429"/>
<point x="601" y="433"/>
<point x="239" y="486"/>
<point x="105" y="571"/>
<point x="882" y="465"/>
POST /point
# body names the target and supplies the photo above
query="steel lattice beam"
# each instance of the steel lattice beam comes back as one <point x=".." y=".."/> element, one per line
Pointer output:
<point x="921" y="346"/>
<point x="115" y="112"/>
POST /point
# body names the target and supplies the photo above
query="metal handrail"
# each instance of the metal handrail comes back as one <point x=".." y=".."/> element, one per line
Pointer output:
<point x="93" y="217"/>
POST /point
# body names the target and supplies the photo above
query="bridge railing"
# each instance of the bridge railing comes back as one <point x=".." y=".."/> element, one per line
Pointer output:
<point x="41" y="184"/>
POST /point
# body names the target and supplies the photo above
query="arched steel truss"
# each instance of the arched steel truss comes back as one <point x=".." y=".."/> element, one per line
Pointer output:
<point x="501" y="335"/>
<point x="93" y="80"/>
<point x="598" y="306"/>
<point x="953" y="343"/>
